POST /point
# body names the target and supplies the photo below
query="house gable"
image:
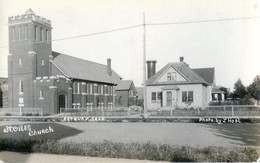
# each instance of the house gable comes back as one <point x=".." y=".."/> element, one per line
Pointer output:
<point x="176" y="76"/>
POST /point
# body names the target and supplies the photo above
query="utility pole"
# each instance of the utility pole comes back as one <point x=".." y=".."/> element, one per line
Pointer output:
<point x="144" y="68"/>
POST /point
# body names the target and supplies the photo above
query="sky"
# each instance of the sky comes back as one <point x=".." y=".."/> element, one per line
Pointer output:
<point x="232" y="47"/>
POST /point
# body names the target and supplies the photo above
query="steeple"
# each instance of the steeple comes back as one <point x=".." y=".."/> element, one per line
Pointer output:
<point x="30" y="11"/>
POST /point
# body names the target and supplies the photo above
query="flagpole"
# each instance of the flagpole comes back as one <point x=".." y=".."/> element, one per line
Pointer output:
<point x="144" y="67"/>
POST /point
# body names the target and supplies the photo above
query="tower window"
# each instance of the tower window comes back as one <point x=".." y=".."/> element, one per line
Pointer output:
<point x="20" y="61"/>
<point x="36" y="33"/>
<point x="47" y="35"/>
<point x="20" y="87"/>
<point x="13" y="33"/>
<point x="42" y="62"/>
<point x="41" y="94"/>
<point x="19" y="33"/>
<point x="26" y="32"/>
<point x="41" y="35"/>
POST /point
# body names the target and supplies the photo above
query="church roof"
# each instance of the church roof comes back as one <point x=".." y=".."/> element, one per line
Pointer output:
<point x="206" y="73"/>
<point x="124" y="85"/>
<point x="77" y="68"/>
<point x="183" y="69"/>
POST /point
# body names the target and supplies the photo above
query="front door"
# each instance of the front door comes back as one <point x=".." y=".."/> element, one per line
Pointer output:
<point x="62" y="102"/>
<point x="168" y="98"/>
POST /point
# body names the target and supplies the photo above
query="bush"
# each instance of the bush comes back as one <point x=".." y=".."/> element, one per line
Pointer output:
<point x="141" y="151"/>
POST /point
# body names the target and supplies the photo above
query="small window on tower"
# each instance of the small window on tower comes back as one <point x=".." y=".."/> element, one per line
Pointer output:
<point x="20" y="61"/>
<point x="19" y="33"/>
<point x="47" y="35"/>
<point x="41" y="35"/>
<point x="41" y="95"/>
<point x="36" y="33"/>
<point x="42" y="62"/>
<point x="20" y="87"/>
<point x="26" y="32"/>
<point x="13" y="33"/>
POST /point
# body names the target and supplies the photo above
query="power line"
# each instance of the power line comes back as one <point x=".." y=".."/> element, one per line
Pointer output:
<point x="98" y="33"/>
<point x="148" y="24"/>
<point x="204" y="21"/>
<point x="86" y="35"/>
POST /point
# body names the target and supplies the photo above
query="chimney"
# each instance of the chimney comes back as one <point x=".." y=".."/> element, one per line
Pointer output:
<point x="109" y="70"/>
<point x="151" y="68"/>
<point x="181" y="59"/>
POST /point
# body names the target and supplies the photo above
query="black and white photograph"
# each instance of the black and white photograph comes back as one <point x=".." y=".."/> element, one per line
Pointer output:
<point x="129" y="81"/>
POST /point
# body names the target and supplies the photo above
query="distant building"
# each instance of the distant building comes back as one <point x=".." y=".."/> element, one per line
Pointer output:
<point x="3" y="92"/>
<point x="176" y="85"/>
<point x="41" y="78"/>
<point x="140" y="101"/>
<point x="208" y="74"/>
<point x="126" y="93"/>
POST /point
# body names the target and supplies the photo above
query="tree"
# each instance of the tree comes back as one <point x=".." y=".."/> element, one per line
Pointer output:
<point x="254" y="88"/>
<point x="239" y="89"/>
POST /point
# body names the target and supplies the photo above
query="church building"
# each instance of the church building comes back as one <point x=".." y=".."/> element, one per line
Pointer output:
<point x="41" y="78"/>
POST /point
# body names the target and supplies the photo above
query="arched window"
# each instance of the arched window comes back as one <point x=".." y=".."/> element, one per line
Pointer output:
<point x="41" y="94"/>
<point x="42" y="62"/>
<point x="20" y="86"/>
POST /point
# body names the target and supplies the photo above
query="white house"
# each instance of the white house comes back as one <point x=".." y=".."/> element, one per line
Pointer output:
<point x="176" y="85"/>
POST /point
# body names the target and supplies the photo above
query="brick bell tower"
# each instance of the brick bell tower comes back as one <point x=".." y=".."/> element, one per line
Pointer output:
<point x="29" y="48"/>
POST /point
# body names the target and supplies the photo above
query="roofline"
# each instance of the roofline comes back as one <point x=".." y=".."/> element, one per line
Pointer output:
<point x="59" y="69"/>
<point x="113" y="71"/>
<point x="170" y="65"/>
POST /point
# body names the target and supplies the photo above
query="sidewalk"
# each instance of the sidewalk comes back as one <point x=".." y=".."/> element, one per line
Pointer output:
<point x="43" y="158"/>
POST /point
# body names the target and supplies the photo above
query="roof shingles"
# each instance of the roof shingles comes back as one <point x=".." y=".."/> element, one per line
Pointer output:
<point x="183" y="69"/>
<point x="76" y="68"/>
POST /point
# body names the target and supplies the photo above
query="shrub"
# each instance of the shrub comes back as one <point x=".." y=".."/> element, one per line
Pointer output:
<point x="135" y="150"/>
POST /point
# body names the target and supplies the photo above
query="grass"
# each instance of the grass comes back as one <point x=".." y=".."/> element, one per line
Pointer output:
<point x="141" y="151"/>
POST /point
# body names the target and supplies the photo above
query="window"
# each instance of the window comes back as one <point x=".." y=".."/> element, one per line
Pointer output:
<point x="20" y="61"/>
<point x="41" y="35"/>
<point x="78" y="88"/>
<point x="36" y="33"/>
<point x="41" y="94"/>
<point x="190" y="96"/>
<point x="74" y="87"/>
<point x="19" y="33"/>
<point x="159" y="97"/>
<point x="26" y="32"/>
<point x="87" y="88"/>
<point x="13" y="33"/>
<point x="42" y="62"/>
<point x="184" y="96"/>
<point x="110" y="90"/>
<point x="47" y="35"/>
<point x="106" y="90"/>
<point x="101" y="89"/>
<point x="95" y="89"/>
<point x="21" y="87"/>
<point x="187" y="96"/>
<point x="153" y="97"/>
<point x="91" y="89"/>
<point x="171" y="76"/>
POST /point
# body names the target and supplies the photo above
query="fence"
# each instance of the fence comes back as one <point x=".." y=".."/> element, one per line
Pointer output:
<point x="101" y="111"/>
<point x="21" y="111"/>
<point x="228" y="110"/>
